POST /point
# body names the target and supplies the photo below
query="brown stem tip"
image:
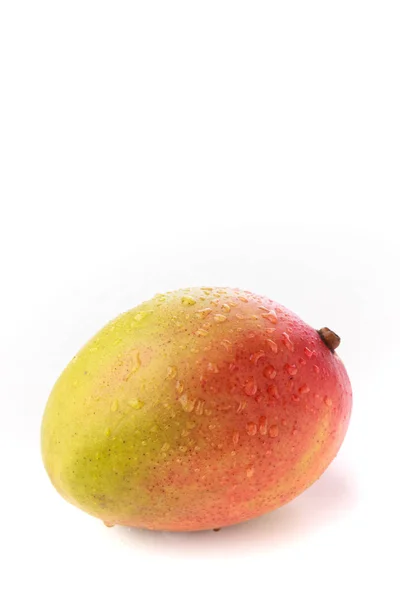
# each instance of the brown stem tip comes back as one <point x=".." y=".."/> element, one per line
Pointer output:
<point x="330" y="338"/>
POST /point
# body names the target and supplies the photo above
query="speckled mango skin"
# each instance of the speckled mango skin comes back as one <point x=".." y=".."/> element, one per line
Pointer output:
<point x="200" y="408"/>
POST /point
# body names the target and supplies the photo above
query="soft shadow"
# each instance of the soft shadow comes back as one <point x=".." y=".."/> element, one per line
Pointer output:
<point x="329" y="499"/>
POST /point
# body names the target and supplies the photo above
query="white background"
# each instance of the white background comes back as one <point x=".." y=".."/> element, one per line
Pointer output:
<point x="151" y="145"/>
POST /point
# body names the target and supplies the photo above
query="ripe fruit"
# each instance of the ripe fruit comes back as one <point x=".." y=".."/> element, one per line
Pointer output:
<point x="198" y="409"/>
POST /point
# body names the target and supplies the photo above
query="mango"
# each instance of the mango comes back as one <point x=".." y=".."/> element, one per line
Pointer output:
<point x="199" y="409"/>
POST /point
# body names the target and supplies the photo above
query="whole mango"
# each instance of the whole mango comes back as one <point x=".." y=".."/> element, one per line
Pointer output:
<point x="198" y="409"/>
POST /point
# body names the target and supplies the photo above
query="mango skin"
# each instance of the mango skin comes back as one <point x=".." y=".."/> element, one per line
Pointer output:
<point x="200" y="408"/>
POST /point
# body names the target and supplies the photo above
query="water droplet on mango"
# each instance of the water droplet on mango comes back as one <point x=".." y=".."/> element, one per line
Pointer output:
<point x="273" y="431"/>
<point x="304" y="389"/>
<point x="220" y="318"/>
<point x="250" y="388"/>
<point x="291" y="369"/>
<point x="270" y="372"/>
<point x="201" y="333"/>
<point x="136" y="404"/>
<point x="287" y="342"/>
<point x="186" y="403"/>
<point x="226" y="344"/>
<point x="109" y="524"/>
<point x="251" y="428"/>
<point x="171" y="373"/>
<point x="202" y="314"/>
<point x="199" y="407"/>
<point x="257" y="356"/>
<point x="270" y="315"/>
<point x="272" y="345"/>
<point x="273" y="391"/>
<point x="241" y="407"/>
<point x="188" y="301"/>
<point x="263" y="425"/>
<point x="142" y="315"/>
